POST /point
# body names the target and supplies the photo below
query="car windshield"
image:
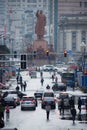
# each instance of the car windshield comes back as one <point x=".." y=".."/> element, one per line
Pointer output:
<point x="28" y="98"/>
<point x="63" y="96"/>
<point x="48" y="95"/>
<point x="12" y="95"/>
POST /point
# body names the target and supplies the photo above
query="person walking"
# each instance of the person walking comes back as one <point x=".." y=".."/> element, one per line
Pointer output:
<point x="25" y="84"/>
<point x="2" y="106"/>
<point x="47" y="87"/>
<point x="56" y="79"/>
<point x="79" y="104"/>
<point x="73" y="113"/>
<point x="17" y="88"/>
<point x="61" y="106"/>
<point x="71" y="102"/>
<point x="42" y="80"/>
<point x="21" y="85"/>
<point x="17" y="78"/>
<point x="52" y="78"/>
<point x="7" y="109"/>
<point x="47" y="108"/>
<point x="21" y="79"/>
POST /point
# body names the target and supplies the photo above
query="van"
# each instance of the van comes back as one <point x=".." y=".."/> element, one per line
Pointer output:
<point x="48" y="97"/>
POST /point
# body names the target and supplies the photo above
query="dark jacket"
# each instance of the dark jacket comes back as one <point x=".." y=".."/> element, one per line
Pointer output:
<point x="73" y="112"/>
<point x="79" y="102"/>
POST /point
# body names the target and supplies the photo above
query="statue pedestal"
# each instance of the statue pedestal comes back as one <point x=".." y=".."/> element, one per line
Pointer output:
<point x="40" y="44"/>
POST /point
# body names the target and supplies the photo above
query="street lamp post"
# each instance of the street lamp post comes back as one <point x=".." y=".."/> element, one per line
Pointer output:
<point x="83" y="50"/>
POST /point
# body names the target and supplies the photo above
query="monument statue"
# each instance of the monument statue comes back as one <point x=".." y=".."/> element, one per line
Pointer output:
<point x="40" y="24"/>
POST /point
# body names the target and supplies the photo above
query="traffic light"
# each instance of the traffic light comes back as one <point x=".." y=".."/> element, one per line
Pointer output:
<point x="23" y="61"/>
<point x="15" y="54"/>
<point x="23" y="65"/>
<point x="65" y="53"/>
<point x="47" y="52"/>
<point x="34" y="54"/>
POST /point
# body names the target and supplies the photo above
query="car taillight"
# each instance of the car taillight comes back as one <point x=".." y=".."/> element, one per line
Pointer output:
<point x="33" y="101"/>
<point x="54" y="99"/>
<point x="42" y="99"/>
<point x="22" y="101"/>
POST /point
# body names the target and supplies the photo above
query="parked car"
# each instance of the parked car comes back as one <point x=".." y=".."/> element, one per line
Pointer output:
<point x="19" y="93"/>
<point x="28" y="102"/>
<point x="38" y="94"/>
<point x="16" y="98"/>
<point x="9" y="100"/>
<point x="48" y="97"/>
<point x="59" y="86"/>
<point x="65" y="96"/>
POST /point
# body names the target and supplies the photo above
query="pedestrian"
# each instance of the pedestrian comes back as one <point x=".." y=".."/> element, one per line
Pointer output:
<point x="42" y="80"/>
<point x="17" y="78"/>
<point x="17" y="88"/>
<point x="79" y="104"/>
<point x="20" y="79"/>
<point x="21" y="86"/>
<point x="25" y="84"/>
<point x="56" y="79"/>
<point x="73" y="113"/>
<point x="2" y="107"/>
<point x="7" y="109"/>
<point x="61" y="106"/>
<point x="71" y="102"/>
<point x="15" y="129"/>
<point x="52" y="78"/>
<point x="47" y="108"/>
<point x="48" y="87"/>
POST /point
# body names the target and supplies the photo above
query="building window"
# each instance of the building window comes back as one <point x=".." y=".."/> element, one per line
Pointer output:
<point x="85" y="4"/>
<point x="18" y="0"/>
<point x="31" y="1"/>
<point x="74" y="41"/>
<point x="80" y="4"/>
<point x="83" y="36"/>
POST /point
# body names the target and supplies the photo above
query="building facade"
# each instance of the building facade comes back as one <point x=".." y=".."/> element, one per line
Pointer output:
<point x="72" y="32"/>
<point x="20" y="18"/>
<point x="72" y="27"/>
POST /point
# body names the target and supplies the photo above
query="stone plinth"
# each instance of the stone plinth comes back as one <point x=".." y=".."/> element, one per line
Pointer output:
<point x="40" y="44"/>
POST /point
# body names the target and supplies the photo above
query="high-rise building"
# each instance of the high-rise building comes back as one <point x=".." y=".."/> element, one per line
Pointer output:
<point x="21" y="20"/>
<point x="72" y="24"/>
<point x="72" y="7"/>
<point x="2" y="20"/>
<point x="22" y="17"/>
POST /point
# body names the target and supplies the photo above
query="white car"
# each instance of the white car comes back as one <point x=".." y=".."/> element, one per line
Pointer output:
<point x="28" y="102"/>
<point x="48" y="97"/>
<point x="48" y="68"/>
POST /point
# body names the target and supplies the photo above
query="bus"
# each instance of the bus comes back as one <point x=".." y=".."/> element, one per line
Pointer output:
<point x="68" y="78"/>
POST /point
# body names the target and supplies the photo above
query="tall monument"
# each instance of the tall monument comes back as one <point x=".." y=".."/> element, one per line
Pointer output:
<point x="40" y="31"/>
